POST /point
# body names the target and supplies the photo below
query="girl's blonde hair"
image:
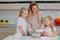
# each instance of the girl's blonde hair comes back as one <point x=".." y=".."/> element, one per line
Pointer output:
<point x="21" y="11"/>
<point x="51" y="24"/>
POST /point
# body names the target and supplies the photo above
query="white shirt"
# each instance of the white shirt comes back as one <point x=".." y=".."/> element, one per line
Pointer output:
<point x="21" y="22"/>
<point x="49" y="31"/>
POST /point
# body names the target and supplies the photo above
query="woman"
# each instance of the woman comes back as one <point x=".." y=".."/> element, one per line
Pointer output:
<point x="34" y="18"/>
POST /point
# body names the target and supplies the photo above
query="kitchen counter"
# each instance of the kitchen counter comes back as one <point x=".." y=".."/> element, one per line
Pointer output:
<point x="6" y="31"/>
<point x="12" y="37"/>
<point x="9" y="26"/>
<point x="11" y="29"/>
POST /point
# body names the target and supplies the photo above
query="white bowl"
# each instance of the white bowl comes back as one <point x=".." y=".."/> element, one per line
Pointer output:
<point x="39" y="30"/>
<point x="36" y="35"/>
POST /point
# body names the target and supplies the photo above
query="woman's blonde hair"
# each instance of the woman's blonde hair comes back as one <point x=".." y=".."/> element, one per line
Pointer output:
<point x="21" y="11"/>
<point x="51" y="24"/>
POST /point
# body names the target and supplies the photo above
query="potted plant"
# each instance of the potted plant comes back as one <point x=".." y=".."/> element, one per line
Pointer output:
<point x="1" y="22"/>
<point x="6" y="22"/>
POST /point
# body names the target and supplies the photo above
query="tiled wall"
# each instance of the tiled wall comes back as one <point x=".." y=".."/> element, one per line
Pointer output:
<point x="12" y="15"/>
<point x="17" y="6"/>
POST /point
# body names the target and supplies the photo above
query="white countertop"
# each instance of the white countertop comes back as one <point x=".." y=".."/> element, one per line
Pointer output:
<point x="12" y="37"/>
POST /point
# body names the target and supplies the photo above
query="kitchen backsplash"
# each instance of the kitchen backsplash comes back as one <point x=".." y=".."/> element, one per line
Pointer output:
<point x="12" y="16"/>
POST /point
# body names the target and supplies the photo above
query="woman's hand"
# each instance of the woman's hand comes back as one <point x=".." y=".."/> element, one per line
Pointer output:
<point x="31" y="31"/>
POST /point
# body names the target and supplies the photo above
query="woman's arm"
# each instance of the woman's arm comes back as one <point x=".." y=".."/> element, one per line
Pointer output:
<point x="29" y="18"/>
<point x="30" y="30"/>
<point x="21" y="30"/>
<point x="29" y="21"/>
<point x="40" y="17"/>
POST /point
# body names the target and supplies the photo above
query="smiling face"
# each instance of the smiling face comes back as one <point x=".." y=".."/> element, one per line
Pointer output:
<point x="47" y="21"/>
<point x="24" y="13"/>
<point x="34" y="8"/>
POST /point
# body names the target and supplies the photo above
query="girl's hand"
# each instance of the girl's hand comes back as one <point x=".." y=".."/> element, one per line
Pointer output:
<point x="44" y="34"/>
<point x="48" y="35"/>
<point x="53" y="35"/>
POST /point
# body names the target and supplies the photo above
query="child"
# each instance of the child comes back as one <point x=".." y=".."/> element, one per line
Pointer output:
<point x="22" y="23"/>
<point x="49" y="29"/>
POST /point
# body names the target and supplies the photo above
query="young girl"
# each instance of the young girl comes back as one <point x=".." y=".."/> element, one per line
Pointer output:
<point x="34" y="18"/>
<point x="49" y="29"/>
<point x="22" y="23"/>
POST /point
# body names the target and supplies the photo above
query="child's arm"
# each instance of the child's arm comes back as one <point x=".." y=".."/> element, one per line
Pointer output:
<point x="54" y="33"/>
<point x="44" y="34"/>
<point x="21" y="30"/>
